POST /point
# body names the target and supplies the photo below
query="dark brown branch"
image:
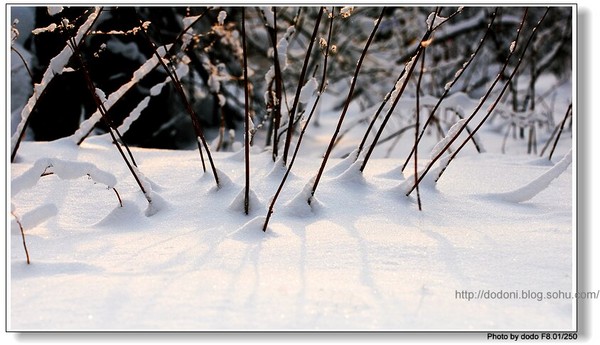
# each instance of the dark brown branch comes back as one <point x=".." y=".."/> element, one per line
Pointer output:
<point x="246" y="117"/>
<point x="105" y="118"/>
<point x="417" y="116"/>
<point x="562" y="125"/>
<point x="22" y="236"/>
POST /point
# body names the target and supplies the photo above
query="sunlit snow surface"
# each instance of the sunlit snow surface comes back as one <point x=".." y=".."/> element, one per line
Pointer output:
<point x="361" y="257"/>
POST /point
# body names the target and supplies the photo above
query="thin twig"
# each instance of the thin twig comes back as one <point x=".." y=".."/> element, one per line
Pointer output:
<point x="406" y="74"/>
<point x="118" y="196"/>
<point x="417" y="116"/>
<point x="550" y="140"/>
<point x="24" y="64"/>
<point x="301" y="135"/>
<point x="92" y="89"/>
<point x="190" y="110"/>
<point x="29" y="110"/>
<point x="452" y="83"/>
<point x="246" y="116"/>
<point x="481" y="102"/>
<point x="493" y="106"/>
<point x="290" y="129"/>
<point x="346" y="104"/>
<point x="22" y="236"/>
<point x="272" y="134"/>
<point x="562" y="125"/>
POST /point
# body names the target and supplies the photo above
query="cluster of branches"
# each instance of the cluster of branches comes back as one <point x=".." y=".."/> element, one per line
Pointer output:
<point x="264" y="70"/>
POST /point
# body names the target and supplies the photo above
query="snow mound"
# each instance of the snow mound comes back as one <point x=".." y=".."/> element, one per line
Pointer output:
<point x="237" y="156"/>
<point x="533" y="188"/>
<point x="352" y="174"/>
<point x="394" y="174"/>
<point x="157" y="204"/>
<point x="38" y="215"/>
<point x="252" y="231"/>
<point x="224" y="180"/>
<point x="299" y="206"/>
<point x="278" y="169"/>
<point x="428" y="182"/>
<point x="120" y="215"/>
<point x="344" y="164"/>
<point x="254" y="204"/>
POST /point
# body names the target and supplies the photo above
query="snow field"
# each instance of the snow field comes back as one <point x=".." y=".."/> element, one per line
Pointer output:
<point x="361" y="258"/>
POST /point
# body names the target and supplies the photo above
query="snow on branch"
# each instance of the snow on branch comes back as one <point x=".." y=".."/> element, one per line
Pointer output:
<point x="308" y="90"/>
<point x="282" y="47"/>
<point x="267" y="13"/>
<point x="454" y="131"/>
<point x="54" y="10"/>
<point x="86" y="126"/>
<point x="181" y="71"/>
<point x="56" y="67"/>
<point x="66" y="170"/>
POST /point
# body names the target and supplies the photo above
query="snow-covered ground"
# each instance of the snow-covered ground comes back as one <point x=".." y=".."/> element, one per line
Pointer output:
<point x="362" y="257"/>
<point x="494" y="238"/>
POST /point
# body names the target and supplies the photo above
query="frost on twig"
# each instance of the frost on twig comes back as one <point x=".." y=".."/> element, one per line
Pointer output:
<point x="434" y="20"/>
<point x="346" y="11"/>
